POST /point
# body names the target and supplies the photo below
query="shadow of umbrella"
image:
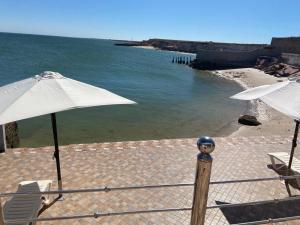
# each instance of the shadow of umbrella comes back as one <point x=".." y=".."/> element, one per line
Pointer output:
<point x="259" y="212"/>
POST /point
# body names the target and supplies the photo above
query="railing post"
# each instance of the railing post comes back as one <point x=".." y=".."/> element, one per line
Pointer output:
<point x="1" y="214"/>
<point x="206" y="145"/>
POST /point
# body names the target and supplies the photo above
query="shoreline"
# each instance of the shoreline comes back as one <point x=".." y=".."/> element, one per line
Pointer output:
<point x="159" y="49"/>
<point x="273" y="122"/>
<point x="144" y="47"/>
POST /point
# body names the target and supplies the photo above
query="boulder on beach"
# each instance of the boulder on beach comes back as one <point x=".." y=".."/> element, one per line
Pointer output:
<point x="275" y="66"/>
<point x="249" y="120"/>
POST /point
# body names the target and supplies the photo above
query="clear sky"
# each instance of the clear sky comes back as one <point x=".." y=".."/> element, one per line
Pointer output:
<point x="246" y="21"/>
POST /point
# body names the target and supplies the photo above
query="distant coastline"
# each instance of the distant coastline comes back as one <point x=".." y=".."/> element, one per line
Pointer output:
<point x="187" y="46"/>
<point x="237" y="62"/>
<point x="281" y="57"/>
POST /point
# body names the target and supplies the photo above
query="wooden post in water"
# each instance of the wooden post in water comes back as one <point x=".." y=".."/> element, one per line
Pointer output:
<point x="1" y="214"/>
<point x="206" y="145"/>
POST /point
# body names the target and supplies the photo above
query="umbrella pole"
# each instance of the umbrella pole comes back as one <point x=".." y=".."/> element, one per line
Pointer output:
<point x="294" y="145"/>
<point x="56" y="152"/>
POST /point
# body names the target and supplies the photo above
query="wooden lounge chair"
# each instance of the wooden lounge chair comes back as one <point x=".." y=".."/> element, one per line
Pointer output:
<point x="26" y="206"/>
<point x="284" y="158"/>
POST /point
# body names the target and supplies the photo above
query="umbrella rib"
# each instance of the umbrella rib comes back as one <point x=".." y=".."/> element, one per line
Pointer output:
<point x="73" y="103"/>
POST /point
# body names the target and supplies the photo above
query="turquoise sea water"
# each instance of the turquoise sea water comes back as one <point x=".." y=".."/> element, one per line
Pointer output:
<point x="173" y="100"/>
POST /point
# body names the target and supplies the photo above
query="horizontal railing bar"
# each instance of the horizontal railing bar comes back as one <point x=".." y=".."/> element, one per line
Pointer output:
<point x="102" y="189"/>
<point x="256" y="179"/>
<point x="277" y="220"/>
<point x="107" y="189"/>
<point x="96" y="215"/>
<point x="253" y="203"/>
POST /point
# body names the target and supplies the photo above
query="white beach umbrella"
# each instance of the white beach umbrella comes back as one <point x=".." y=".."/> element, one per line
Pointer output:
<point x="284" y="97"/>
<point x="48" y="93"/>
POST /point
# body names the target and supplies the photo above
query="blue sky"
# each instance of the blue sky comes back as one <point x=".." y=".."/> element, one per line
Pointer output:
<point x="245" y="21"/>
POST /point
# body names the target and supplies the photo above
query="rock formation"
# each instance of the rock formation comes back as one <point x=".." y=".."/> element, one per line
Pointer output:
<point x="274" y="66"/>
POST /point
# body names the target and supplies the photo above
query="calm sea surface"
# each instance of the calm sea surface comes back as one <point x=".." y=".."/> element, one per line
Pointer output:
<point x="173" y="100"/>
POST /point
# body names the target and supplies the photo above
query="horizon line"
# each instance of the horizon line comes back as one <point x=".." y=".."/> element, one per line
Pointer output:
<point x="114" y="39"/>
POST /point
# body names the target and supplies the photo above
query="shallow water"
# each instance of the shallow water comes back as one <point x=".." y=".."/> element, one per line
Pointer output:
<point x="173" y="100"/>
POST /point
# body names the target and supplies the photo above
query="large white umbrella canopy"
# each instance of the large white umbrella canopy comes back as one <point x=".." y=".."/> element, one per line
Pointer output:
<point x="50" y="92"/>
<point x="284" y="97"/>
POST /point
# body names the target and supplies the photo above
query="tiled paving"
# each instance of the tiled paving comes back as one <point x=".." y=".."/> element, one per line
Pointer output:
<point x="149" y="163"/>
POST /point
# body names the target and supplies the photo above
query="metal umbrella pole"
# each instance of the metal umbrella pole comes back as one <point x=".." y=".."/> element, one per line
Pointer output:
<point x="294" y="145"/>
<point x="56" y="152"/>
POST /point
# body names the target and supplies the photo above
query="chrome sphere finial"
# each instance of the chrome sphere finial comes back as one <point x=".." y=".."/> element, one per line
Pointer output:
<point x="206" y="144"/>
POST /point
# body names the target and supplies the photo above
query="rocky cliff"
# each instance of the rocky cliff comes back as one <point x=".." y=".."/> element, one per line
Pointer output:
<point x="218" y="55"/>
<point x="284" y="50"/>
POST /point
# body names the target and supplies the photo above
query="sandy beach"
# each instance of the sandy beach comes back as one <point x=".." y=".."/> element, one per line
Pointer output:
<point x="158" y="49"/>
<point x="145" y="47"/>
<point x="273" y="122"/>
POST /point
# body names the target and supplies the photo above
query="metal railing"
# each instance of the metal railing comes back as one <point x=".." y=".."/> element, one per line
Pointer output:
<point x="97" y="215"/>
<point x="101" y="189"/>
<point x="109" y="189"/>
<point x="199" y="206"/>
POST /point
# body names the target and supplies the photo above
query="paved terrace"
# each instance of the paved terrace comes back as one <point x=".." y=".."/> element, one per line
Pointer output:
<point x="150" y="163"/>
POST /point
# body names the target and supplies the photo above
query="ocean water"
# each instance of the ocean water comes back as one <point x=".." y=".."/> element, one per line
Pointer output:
<point x="174" y="101"/>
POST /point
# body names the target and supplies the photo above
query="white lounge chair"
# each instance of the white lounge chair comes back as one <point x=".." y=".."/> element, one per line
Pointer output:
<point x="26" y="206"/>
<point x="284" y="158"/>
